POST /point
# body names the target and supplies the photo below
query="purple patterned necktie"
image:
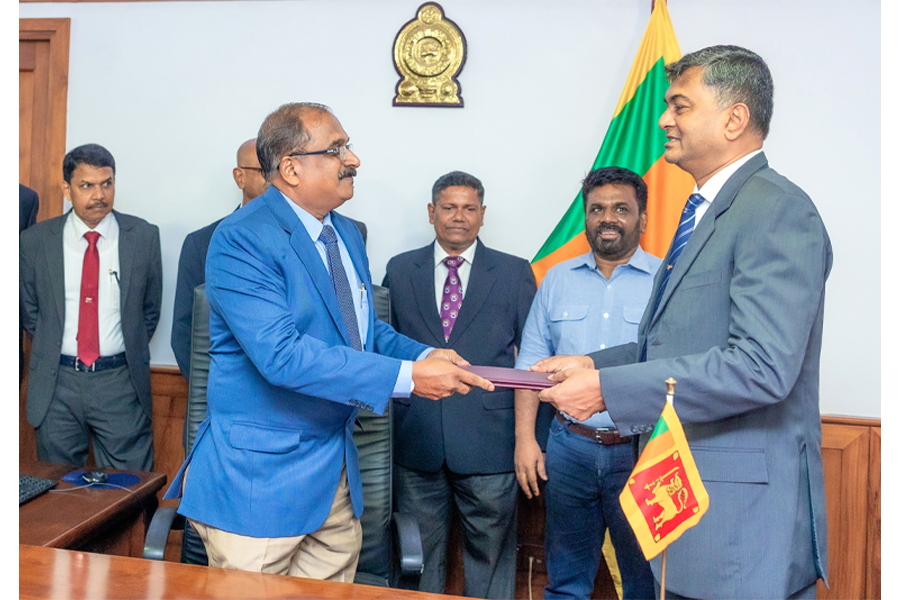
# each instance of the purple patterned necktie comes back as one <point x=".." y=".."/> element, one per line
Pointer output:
<point x="451" y="302"/>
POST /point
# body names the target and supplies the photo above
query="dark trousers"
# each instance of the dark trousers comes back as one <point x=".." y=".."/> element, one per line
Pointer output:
<point x="486" y="506"/>
<point x="584" y="480"/>
<point x="102" y="407"/>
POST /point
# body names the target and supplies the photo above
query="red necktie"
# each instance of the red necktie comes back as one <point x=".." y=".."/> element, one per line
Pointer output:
<point x="88" y="322"/>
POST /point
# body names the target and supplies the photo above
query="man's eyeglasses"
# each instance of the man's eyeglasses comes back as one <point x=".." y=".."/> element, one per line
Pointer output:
<point x="340" y="151"/>
<point x="251" y="168"/>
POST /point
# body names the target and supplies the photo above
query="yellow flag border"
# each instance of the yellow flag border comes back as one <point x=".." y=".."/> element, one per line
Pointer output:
<point x="650" y="546"/>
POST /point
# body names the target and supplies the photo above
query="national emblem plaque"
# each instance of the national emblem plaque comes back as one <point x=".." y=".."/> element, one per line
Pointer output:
<point x="429" y="52"/>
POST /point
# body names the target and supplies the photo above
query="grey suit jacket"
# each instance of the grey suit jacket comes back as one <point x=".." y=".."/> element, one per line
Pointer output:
<point x="739" y="327"/>
<point x="42" y="289"/>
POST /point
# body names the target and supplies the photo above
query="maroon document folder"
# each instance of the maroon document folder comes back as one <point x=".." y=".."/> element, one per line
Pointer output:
<point x="518" y="379"/>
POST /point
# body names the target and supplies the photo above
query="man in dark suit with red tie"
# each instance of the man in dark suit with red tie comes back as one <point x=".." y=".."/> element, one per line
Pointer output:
<point x="91" y="286"/>
<point x="457" y="455"/>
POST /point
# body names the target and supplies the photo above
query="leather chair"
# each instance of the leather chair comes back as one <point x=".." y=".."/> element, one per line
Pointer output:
<point x="391" y="553"/>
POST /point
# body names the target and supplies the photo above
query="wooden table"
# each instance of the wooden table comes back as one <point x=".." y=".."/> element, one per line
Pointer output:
<point x="109" y="521"/>
<point x="51" y="573"/>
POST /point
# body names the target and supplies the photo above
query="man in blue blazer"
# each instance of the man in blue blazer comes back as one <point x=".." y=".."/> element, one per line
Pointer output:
<point x="735" y="317"/>
<point x="457" y="455"/>
<point x="295" y="352"/>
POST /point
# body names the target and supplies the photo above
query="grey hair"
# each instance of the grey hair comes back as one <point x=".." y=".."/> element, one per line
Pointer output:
<point x="283" y="133"/>
<point x="735" y="75"/>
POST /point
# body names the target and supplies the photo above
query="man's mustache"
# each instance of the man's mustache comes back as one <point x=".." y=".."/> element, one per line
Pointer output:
<point x="348" y="172"/>
<point x="608" y="227"/>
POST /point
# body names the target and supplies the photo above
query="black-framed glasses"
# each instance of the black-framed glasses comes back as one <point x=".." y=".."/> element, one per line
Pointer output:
<point x="340" y="151"/>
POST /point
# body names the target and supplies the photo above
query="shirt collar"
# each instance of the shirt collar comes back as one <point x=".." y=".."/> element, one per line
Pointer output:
<point x="638" y="260"/>
<point x="440" y="254"/>
<point x="715" y="184"/>
<point x="313" y="225"/>
<point x="104" y="227"/>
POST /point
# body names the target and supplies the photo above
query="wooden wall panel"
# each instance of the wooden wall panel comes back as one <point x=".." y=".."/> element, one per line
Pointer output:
<point x="845" y="452"/>
<point x="43" y="93"/>
<point x="873" y="547"/>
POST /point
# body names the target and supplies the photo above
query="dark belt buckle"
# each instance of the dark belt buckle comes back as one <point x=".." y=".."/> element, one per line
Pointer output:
<point x="86" y="369"/>
<point x="605" y="436"/>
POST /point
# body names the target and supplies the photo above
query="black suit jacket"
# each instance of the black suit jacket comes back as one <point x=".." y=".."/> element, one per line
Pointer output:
<point x="42" y="289"/>
<point x="473" y="433"/>
<point x="28" y="209"/>
<point x="191" y="273"/>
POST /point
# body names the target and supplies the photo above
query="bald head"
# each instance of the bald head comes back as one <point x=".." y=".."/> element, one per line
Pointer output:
<point x="247" y="173"/>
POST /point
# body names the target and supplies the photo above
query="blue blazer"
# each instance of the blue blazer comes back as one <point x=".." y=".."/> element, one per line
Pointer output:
<point x="284" y="385"/>
<point x="739" y="327"/>
<point x="473" y="433"/>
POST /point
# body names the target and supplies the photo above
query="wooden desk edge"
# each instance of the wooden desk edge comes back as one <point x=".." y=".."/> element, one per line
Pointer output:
<point x="87" y="575"/>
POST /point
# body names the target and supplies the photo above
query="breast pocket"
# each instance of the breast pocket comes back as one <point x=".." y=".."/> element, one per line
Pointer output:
<point x="631" y="320"/>
<point x="566" y="321"/>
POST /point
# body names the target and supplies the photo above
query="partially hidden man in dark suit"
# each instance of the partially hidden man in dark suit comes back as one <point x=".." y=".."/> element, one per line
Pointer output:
<point x="91" y="286"/>
<point x="735" y="317"/>
<point x="459" y="452"/>
<point x="192" y="262"/>
<point x="28" y="209"/>
<point x="296" y="351"/>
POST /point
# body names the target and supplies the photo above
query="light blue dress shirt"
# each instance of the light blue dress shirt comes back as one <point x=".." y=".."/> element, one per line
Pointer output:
<point x="577" y="311"/>
<point x="404" y="386"/>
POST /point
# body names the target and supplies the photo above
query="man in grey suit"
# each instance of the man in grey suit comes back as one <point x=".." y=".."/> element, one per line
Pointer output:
<point x="91" y="287"/>
<point x="735" y="317"/>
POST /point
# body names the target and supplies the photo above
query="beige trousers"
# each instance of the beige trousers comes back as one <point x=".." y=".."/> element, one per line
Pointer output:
<point x="331" y="552"/>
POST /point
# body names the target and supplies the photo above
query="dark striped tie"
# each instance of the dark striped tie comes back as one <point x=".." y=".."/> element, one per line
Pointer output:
<point x="682" y="235"/>
<point x="340" y="282"/>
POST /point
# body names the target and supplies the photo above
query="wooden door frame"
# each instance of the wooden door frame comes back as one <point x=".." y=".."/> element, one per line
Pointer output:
<point x="56" y="32"/>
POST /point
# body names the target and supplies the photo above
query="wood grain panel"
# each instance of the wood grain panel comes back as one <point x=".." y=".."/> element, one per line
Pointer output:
<point x="845" y="452"/>
<point x="44" y="67"/>
<point x="873" y="545"/>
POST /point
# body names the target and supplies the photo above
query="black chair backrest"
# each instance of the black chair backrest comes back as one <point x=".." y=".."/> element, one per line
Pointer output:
<point x="192" y="549"/>
<point x="374" y="440"/>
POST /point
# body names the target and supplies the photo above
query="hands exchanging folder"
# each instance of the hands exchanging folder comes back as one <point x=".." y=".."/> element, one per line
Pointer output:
<point x="439" y="375"/>
<point x="577" y="392"/>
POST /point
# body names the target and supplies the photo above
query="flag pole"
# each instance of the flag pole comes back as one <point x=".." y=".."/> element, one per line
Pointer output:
<point x="670" y="397"/>
<point x="662" y="583"/>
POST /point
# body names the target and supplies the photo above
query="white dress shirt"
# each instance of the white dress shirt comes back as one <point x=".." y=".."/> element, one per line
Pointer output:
<point x="712" y="187"/>
<point x="112" y="341"/>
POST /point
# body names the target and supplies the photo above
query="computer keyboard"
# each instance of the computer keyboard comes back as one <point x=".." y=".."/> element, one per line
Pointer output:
<point x="31" y="487"/>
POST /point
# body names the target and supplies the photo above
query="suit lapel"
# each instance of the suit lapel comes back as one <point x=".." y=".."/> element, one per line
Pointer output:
<point x="308" y="255"/>
<point x="425" y="294"/>
<point x="701" y="235"/>
<point x="478" y="288"/>
<point x="56" y="266"/>
<point x="127" y="248"/>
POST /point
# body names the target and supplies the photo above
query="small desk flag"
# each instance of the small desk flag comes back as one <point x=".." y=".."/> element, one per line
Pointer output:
<point x="664" y="495"/>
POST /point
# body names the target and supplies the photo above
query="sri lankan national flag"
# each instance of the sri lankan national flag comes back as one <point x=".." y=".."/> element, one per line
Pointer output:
<point x="664" y="495"/>
<point x="634" y="141"/>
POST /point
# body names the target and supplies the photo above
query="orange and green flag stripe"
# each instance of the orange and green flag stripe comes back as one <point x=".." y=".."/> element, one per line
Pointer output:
<point x="633" y="141"/>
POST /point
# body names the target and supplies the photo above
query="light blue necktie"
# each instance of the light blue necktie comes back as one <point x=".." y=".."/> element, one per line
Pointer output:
<point x="340" y="282"/>
<point x="682" y="235"/>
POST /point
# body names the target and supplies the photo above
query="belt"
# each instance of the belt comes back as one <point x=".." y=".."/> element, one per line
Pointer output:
<point x="101" y="364"/>
<point x="605" y="437"/>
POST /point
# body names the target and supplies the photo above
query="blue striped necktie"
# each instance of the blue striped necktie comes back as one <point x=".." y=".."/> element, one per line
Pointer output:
<point x="340" y="283"/>
<point x="682" y="235"/>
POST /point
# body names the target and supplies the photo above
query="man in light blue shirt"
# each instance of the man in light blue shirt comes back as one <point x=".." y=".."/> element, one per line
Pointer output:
<point x="586" y="304"/>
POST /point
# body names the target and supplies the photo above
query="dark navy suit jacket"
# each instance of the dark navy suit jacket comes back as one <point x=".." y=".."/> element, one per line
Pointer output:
<point x="474" y="433"/>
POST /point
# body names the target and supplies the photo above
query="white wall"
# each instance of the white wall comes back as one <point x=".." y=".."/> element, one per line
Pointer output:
<point x="172" y="89"/>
